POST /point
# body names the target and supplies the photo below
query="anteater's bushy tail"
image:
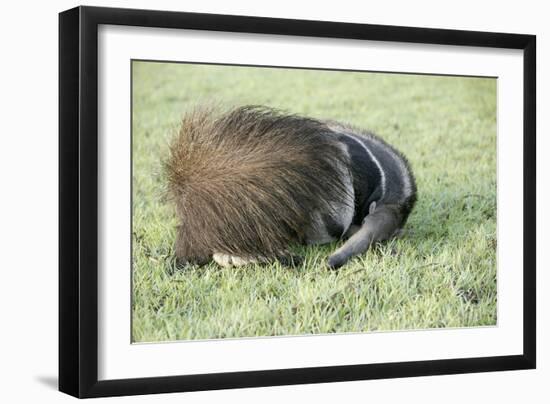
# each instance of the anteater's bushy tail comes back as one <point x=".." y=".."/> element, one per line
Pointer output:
<point x="247" y="182"/>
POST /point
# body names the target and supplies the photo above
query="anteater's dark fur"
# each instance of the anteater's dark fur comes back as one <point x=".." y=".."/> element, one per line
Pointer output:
<point x="247" y="182"/>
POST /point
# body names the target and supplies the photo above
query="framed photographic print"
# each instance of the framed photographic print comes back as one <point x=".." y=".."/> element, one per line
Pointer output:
<point x="250" y="201"/>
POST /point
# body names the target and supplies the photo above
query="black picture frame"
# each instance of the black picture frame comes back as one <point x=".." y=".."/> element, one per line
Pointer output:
<point x="78" y="201"/>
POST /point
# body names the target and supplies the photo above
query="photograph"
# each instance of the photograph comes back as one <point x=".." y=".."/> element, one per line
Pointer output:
<point x="275" y="201"/>
<point x="250" y="201"/>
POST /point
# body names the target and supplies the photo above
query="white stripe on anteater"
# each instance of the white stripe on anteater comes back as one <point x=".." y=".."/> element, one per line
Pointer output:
<point x="404" y="171"/>
<point x="373" y="158"/>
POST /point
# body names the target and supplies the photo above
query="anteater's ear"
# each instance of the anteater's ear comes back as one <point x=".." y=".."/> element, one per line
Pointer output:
<point x="372" y="207"/>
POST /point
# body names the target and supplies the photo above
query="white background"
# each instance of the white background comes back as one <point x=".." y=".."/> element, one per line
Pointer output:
<point x="28" y="221"/>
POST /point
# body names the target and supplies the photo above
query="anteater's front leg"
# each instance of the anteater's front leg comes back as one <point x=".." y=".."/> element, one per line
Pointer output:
<point x="381" y="224"/>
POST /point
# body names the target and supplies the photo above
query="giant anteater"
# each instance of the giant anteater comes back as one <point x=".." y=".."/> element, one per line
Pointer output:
<point x="249" y="183"/>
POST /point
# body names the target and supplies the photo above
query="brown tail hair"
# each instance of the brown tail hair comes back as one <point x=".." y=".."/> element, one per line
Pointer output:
<point x="247" y="182"/>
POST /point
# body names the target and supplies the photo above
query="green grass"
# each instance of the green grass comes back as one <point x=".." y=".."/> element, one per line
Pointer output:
<point x="441" y="273"/>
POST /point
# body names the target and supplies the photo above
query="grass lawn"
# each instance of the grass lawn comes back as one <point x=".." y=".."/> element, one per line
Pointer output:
<point x="441" y="273"/>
